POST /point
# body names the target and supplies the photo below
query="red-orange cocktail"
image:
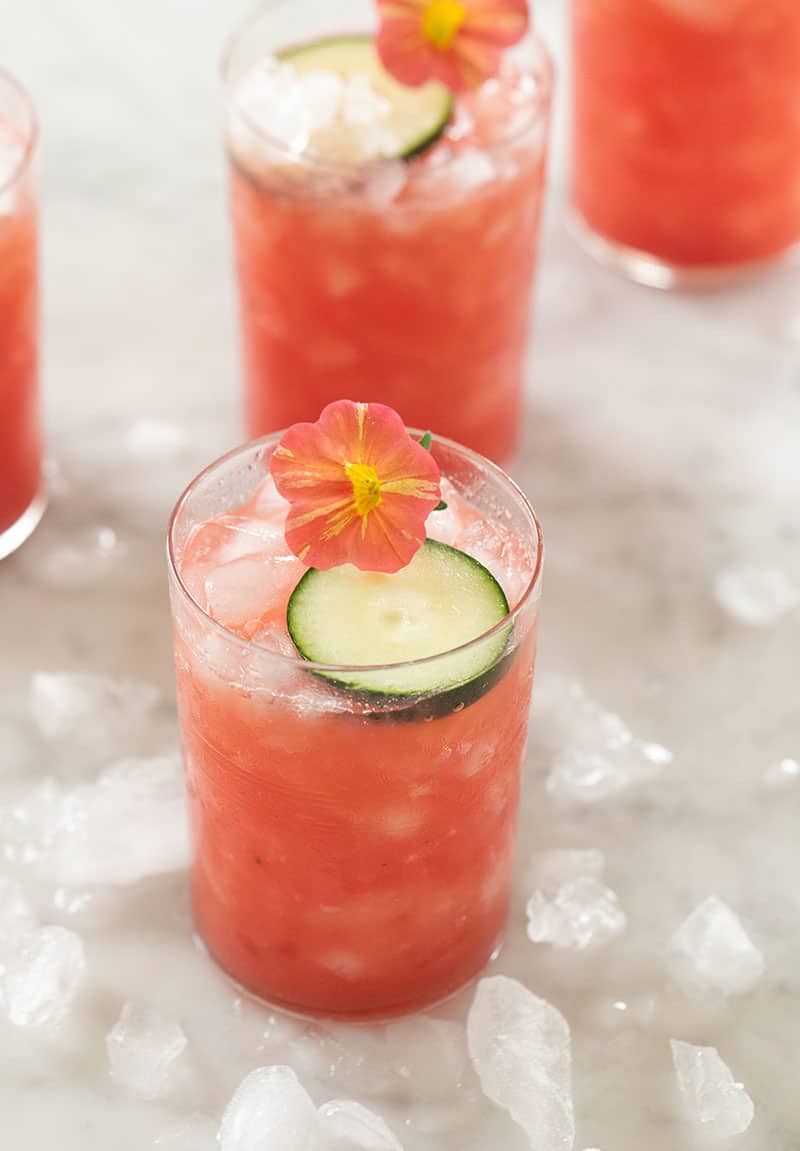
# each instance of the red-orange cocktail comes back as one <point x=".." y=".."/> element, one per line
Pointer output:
<point x="352" y="851"/>
<point x="686" y="145"/>
<point x="20" y="439"/>
<point x="412" y="275"/>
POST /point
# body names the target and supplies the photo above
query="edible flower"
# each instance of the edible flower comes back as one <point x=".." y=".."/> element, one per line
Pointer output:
<point x="359" y="488"/>
<point x="458" y="42"/>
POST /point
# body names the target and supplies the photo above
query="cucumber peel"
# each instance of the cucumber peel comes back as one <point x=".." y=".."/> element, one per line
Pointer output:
<point x="435" y="606"/>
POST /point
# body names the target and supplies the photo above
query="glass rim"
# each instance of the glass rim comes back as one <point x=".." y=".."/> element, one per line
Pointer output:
<point x="8" y="80"/>
<point x="543" y="67"/>
<point x="530" y="595"/>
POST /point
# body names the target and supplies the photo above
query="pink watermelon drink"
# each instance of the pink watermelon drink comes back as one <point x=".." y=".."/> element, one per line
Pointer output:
<point x="686" y="145"/>
<point x="383" y="232"/>
<point x="353" y="826"/>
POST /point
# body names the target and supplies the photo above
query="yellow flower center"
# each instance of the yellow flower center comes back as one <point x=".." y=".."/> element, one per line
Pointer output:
<point x="441" y="21"/>
<point x="366" y="487"/>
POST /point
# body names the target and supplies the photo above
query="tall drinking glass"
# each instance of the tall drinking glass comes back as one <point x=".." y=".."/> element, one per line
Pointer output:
<point x="686" y="135"/>
<point x="21" y="493"/>
<point x="413" y="276"/>
<point x="352" y="849"/>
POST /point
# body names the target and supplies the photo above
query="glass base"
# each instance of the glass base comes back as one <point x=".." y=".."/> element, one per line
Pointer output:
<point x="653" y="272"/>
<point x="377" y="1016"/>
<point x="14" y="537"/>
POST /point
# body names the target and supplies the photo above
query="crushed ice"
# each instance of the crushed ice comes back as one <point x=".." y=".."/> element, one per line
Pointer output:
<point x="594" y="754"/>
<point x="99" y="713"/>
<point x="153" y="439"/>
<point x="128" y="824"/>
<point x="40" y="974"/>
<point x="711" y="951"/>
<point x="272" y="1111"/>
<point x="40" y="967"/>
<point x="785" y="771"/>
<point x="570" y="906"/>
<point x="711" y="1096"/>
<point x="142" y="1047"/>
<point x="90" y="557"/>
<point x="347" y="1126"/>
<point x="519" y="1045"/>
<point x="342" y="117"/>
<point x="758" y="596"/>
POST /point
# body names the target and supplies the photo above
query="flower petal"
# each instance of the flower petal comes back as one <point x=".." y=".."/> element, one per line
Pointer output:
<point x="311" y="467"/>
<point x="498" y="22"/>
<point x="474" y="55"/>
<point x="404" y="52"/>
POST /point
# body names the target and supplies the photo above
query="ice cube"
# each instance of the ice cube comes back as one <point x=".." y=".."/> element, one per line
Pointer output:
<point x="41" y="977"/>
<point x="446" y="525"/>
<point x="656" y="753"/>
<point x="288" y="107"/>
<point x="73" y="902"/>
<point x="130" y="823"/>
<point x="592" y="776"/>
<point x="154" y="439"/>
<point x="26" y="826"/>
<point x="429" y="1054"/>
<point x="710" y="1094"/>
<point x="384" y="184"/>
<point x="267" y="501"/>
<point x="97" y="712"/>
<point x="142" y="1047"/>
<point x="461" y="124"/>
<point x="785" y="771"/>
<point x="753" y="595"/>
<point x="234" y="537"/>
<point x="520" y="1047"/>
<point x="578" y="913"/>
<point x="240" y="594"/>
<point x="347" y="1126"/>
<point x="471" y="169"/>
<point x="16" y="915"/>
<point x="598" y="755"/>
<point x="711" y="951"/>
<point x="506" y="556"/>
<point x="195" y="1132"/>
<point x="361" y="103"/>
<point x="268" y="98"/>
<point x="321" y="94"/>
<point x="270" y="1111"/>
<point x="93" y="555"/>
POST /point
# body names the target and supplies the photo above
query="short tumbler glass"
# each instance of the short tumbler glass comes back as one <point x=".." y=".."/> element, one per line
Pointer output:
<point x="415" y="276"/>
<point x="686" y="135"/>
<point x="350" y="859"/>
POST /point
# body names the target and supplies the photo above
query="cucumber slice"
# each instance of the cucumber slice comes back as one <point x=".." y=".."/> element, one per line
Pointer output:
<point x="440" y="601"/>
<point x="415" y="119"/>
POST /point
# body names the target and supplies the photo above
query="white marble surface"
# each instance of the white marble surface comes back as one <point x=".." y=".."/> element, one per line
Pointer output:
<point x="661" y="448"/>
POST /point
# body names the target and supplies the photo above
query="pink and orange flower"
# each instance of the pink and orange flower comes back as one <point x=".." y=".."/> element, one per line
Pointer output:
<point x="458" y="42"/>
<point x="359" y="488"/>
